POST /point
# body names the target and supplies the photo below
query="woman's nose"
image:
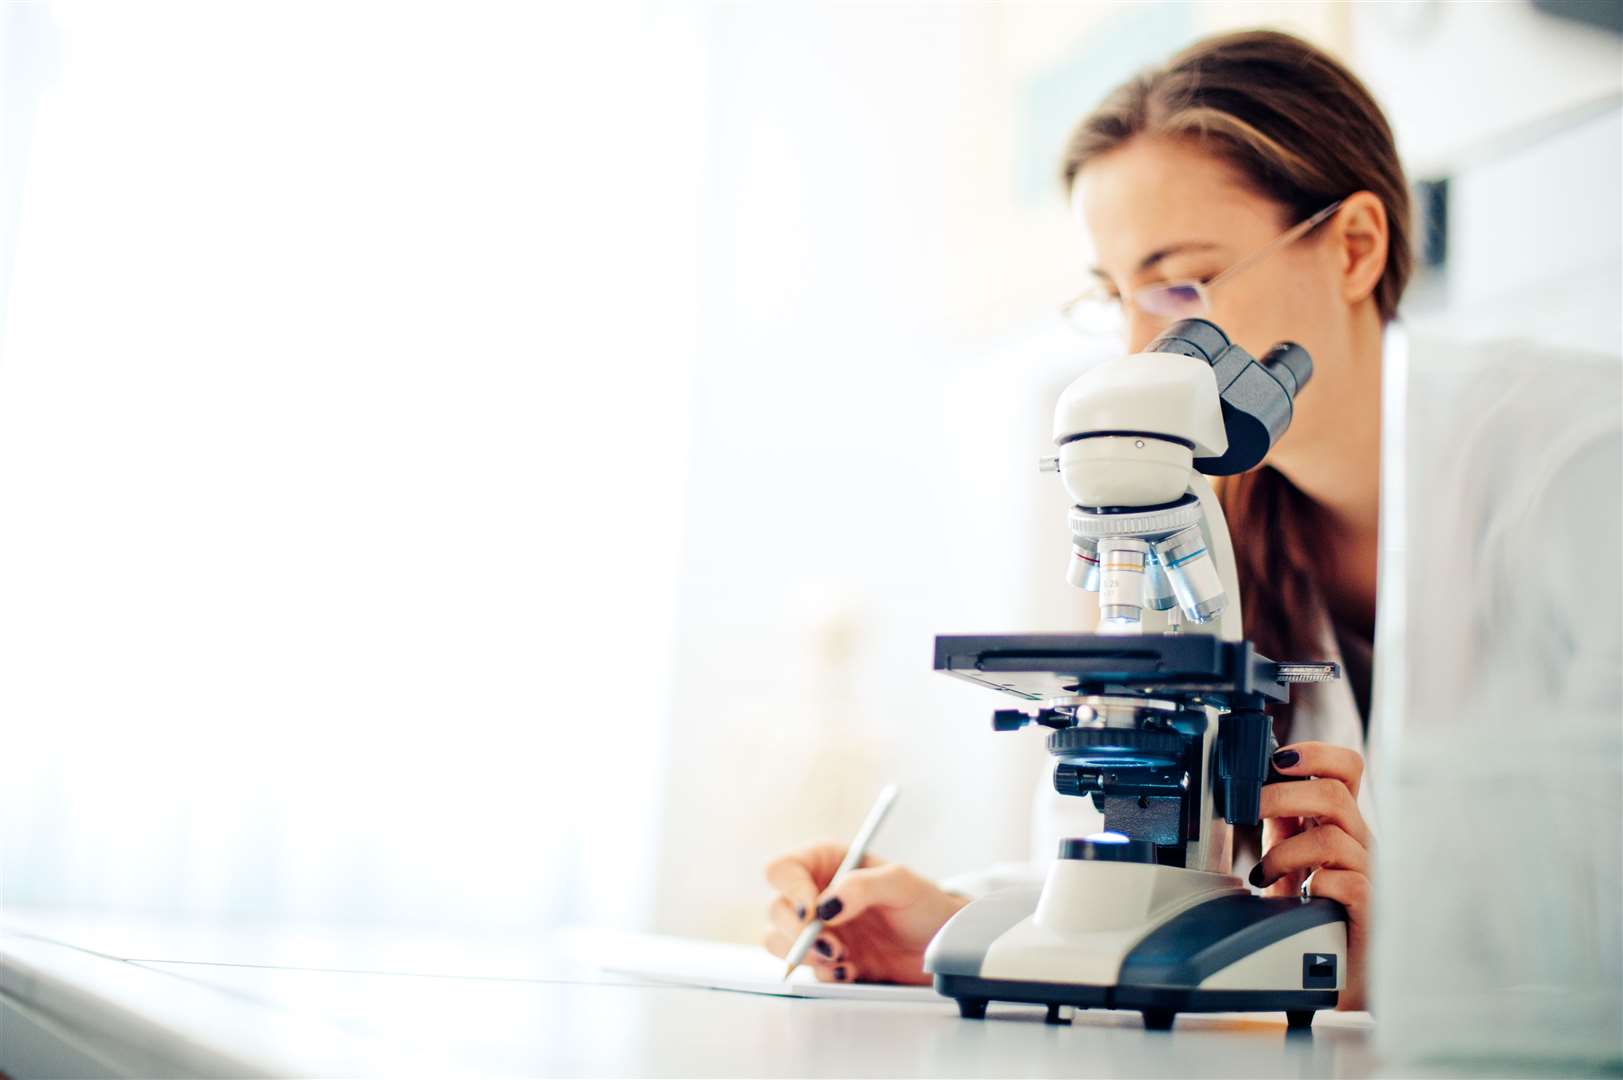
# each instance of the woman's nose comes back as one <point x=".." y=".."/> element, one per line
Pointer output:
<point x="1141" y="330"/>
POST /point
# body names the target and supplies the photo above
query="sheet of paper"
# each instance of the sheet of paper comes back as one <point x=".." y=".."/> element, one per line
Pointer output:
<point x="724" y="966"/>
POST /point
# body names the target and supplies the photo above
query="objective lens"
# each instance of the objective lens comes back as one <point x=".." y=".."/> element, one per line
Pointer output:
<point x="1193" y="575"/>
<point x="1157" y="589"/>
<point x="1121" y="584"/>
<point x="1083" y="568"/>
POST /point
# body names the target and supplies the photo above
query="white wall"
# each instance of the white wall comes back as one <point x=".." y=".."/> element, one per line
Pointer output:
<point x="1523" y="113"/>
<point x="854" y="169"/>
<point x="1456" y="77"/>
<point x="324" y="518"/>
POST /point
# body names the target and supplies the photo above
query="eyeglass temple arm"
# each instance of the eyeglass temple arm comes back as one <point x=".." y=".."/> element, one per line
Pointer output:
<point x="1295" y="232"/>
<point x="1290" y="235"/>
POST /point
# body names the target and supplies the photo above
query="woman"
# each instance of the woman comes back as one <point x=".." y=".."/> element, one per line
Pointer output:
<point x="1258" y="167"/>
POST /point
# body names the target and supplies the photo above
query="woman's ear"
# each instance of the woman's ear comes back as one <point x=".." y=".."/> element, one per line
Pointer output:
<point x="1360" y="236"/>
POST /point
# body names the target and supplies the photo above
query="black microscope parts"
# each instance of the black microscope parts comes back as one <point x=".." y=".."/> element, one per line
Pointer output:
<point x="1257" y="396"/>
<point x="1126" y="723"/>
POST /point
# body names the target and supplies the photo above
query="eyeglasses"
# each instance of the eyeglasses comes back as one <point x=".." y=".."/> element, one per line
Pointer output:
<point x="1099" y="311"/>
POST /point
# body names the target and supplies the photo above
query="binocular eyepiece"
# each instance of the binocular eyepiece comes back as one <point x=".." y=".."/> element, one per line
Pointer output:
<point x="1257" y="396"/>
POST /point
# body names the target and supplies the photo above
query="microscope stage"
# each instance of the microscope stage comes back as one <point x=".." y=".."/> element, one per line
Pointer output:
<point x="1039" y="667"/>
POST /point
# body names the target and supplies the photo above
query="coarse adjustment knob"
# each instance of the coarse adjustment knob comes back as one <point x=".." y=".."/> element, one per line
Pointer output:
<point x="1072" y="779"/>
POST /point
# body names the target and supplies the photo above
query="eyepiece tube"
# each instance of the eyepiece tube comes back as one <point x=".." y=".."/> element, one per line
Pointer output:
<point x="1198" y="338"/>
<point x="1290" y="364"/>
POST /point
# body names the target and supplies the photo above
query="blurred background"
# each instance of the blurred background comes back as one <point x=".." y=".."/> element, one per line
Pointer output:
<point x="503" y="465"/>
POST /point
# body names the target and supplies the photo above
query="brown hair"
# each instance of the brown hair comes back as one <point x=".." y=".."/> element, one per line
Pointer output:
<point x="1305" y="132"/>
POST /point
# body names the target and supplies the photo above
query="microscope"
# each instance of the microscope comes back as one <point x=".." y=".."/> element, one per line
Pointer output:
<point x="1159" y="717"/>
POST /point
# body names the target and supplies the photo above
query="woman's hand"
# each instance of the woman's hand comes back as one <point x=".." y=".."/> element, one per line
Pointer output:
<point x="1314" y="827"/>
<point x="875" y="925"/>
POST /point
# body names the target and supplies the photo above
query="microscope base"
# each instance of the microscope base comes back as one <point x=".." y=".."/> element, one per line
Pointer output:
<point x="1160" y="1005"/>
<point x="1221" y="950"/>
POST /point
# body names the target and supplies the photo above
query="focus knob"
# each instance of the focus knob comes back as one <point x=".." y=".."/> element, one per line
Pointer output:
<point x="1072" y="779"/>
<point x="1290" y="364"/>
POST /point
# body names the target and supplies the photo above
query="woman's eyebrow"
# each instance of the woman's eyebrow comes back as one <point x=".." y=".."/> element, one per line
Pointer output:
<point x="1165" y="253"/>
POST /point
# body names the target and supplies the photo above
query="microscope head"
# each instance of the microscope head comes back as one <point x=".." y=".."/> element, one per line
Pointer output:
<point x="1131" y="429"/>
<point x="1135" y="434"/>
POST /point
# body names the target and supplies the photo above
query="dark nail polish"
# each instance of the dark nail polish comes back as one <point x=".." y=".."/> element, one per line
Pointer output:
<point x="829" y="908"/>
<point x="1284" y="759"/>
<point x="839" y="973"/>
<point x="825" y="948"/>
<point x="800" y="912"/>
<point x="1256" y="876"/>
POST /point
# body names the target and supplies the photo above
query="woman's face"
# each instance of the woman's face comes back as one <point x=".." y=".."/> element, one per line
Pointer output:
<point x="1159" y="210"/>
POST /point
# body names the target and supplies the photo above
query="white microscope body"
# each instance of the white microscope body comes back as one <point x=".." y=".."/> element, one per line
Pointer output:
<point x="1158" y="717"/>
<point x="1168" y="403"/>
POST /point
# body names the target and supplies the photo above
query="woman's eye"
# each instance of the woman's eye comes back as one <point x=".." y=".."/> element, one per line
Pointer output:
<point x="1178" y="300"/>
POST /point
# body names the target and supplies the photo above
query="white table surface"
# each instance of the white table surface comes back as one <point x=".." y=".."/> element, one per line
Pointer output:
<point x="135" y="997"/>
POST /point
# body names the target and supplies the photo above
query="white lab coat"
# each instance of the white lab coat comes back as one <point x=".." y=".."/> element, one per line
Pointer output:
<point x="1497" y="733"/>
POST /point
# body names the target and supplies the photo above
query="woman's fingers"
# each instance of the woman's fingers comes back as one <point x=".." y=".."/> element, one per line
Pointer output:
<point x="777" y="942"/>
<point x="1352" y="889"/>
<point x="828" y="948"/>
<point x="888" y="886"/>
<point x="801" y="875"/>
<point x="1348" y="886"/>
<point x="781" y="914"/>
<point x="1279" y="829"/>
<point x="836" y="972"/>
<point x="1331" y="850"/>
<point x="1325" y="846"/>
<point x="1327" y="800"/>
<point x="826" y="951"/>
<point x="794" y="875"/>
<point x="1322" y="759"/>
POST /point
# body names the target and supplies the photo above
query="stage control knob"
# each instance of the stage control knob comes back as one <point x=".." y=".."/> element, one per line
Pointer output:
<point x="1009" y="720"/>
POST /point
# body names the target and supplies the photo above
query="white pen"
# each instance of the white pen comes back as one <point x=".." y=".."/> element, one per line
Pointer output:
<point x="853" y="859"/>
